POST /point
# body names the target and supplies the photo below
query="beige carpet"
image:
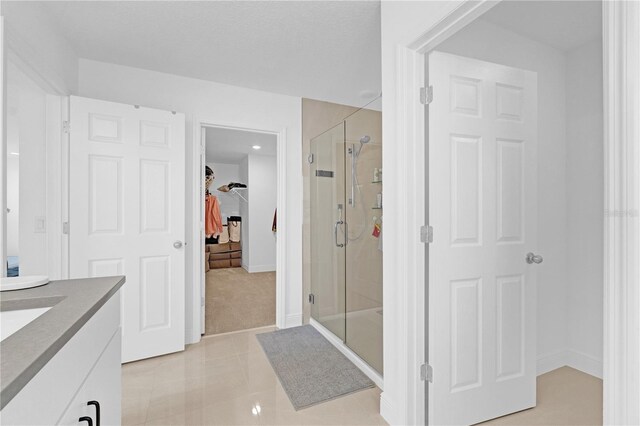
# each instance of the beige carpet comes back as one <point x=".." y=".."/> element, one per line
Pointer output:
<point x="237" y="300"/>
<point x="565" y="397"/>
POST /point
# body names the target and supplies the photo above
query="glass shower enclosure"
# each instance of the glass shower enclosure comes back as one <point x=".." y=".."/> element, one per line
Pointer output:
<point x="346" y="233"/>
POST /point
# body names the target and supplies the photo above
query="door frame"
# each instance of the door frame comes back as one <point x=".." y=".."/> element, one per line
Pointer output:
<point x="197" y="250"/>
<point x="406" y="308"/>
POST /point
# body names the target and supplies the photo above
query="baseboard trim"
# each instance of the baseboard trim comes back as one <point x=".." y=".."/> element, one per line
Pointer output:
<point x="259" y="268"/>
<point x="569" y="358"/>
<point x="293" y="320"/>
<point x="190" y="337"/>
<point x="551" y="361"/>
<point x="585" y="363"/>
<point x="355" y="359"/>
<point x="386" y="409"/>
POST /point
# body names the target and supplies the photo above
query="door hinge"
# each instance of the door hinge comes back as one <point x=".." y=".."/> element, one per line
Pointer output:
<point x="312" y="298"/>
<point x="426" y="234"/>
<point x="65" y="228"/>
<point x="66" y="127"/>
<point x="426" y="95"/>
<point x="426" y="373"/>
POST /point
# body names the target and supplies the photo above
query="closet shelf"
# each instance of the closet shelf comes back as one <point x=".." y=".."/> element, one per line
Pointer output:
<point x="235" y="191"/>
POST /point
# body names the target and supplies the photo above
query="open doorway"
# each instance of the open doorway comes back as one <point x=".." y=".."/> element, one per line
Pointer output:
<point x="517" y="195"/>
<point x="240" y="229"/>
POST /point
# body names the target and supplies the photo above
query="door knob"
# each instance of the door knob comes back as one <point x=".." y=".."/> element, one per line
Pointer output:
<point x="533" y="258"/>
<point x="177" y="244"/>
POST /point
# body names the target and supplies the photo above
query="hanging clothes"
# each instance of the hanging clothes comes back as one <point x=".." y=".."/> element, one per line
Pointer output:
<point x="212" y="217"/>
<point x="274" y="226"/>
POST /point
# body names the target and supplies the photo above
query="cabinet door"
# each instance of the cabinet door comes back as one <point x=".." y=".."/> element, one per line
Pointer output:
<point x="103" y="384"/>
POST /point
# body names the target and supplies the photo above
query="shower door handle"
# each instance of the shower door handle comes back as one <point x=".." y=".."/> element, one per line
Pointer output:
<point x="346" y="234"/>
<point x="335" y="233"/>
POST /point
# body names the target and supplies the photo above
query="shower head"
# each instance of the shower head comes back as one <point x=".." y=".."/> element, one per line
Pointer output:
<point x="363" y="140"/>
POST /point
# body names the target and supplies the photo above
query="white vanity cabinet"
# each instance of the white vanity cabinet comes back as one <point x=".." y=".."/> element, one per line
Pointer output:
<point x="96" y="401"/>
<point x="82" y="378"/>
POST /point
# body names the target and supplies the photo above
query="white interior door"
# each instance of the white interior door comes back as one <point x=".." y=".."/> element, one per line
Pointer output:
<point x="482" y="206"/>
<point x="127" y="216"/>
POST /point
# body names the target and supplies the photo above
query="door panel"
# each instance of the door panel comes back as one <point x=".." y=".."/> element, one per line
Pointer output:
<point x="126" y="211"/>
<point x="328" y="236"/>
<point x="482" y="206"/>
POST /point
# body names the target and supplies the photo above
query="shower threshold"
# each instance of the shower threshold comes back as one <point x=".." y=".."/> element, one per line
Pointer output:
<point x="369" y="371"/>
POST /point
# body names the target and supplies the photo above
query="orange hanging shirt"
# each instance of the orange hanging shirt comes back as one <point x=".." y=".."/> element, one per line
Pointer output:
<point x="212" y="217"/>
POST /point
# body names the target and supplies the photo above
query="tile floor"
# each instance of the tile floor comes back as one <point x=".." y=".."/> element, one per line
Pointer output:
<point x="566" y="397"/>
<point x="237" y="300"/>
<point x="227" y="380"/>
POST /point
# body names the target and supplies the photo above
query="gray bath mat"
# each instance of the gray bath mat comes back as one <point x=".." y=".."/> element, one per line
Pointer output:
<point x="311" y="370"/>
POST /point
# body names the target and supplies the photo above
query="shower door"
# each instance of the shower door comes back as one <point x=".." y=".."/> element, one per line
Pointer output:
<point x="328" y="230"/>
<point x="346" y="240"/>
<point x="363" y="271"/>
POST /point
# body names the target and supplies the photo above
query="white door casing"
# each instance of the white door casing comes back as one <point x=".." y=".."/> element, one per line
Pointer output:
<point x="127" y="210"/>
<point x="482" y="206"/>
<point x="201" y="235"/>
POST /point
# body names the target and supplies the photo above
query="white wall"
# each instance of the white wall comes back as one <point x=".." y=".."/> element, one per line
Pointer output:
<point x="585" y="195"/>
<point x="35" y="44"/>
<point x="262" y="192"/>
<point x="488" y="42"/>
<point x="217" y="104"/>
<point x="225" y="173"/>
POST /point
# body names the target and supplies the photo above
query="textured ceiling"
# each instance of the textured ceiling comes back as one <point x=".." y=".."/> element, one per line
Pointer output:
<point x="564" y="25"/>
<point x="328" y="50"/>
<point x="232" y="146"/>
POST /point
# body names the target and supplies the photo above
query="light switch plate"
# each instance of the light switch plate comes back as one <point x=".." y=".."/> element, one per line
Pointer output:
<point x="40" y="225"/>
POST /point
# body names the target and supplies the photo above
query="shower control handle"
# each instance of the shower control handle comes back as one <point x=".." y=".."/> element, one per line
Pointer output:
<point x="335" y="233"/>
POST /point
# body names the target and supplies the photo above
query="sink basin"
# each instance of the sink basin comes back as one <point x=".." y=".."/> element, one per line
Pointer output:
<point x="12" y="321"/>
<point x="20" y="283"/>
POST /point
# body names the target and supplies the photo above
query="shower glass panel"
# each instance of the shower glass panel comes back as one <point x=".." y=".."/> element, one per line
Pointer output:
<point x="346" y="232"/>
<point x="327" y="171"/>
<point x="363" y="131"/>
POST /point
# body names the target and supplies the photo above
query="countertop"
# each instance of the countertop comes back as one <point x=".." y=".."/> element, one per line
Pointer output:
<point x="72" y="302"/>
